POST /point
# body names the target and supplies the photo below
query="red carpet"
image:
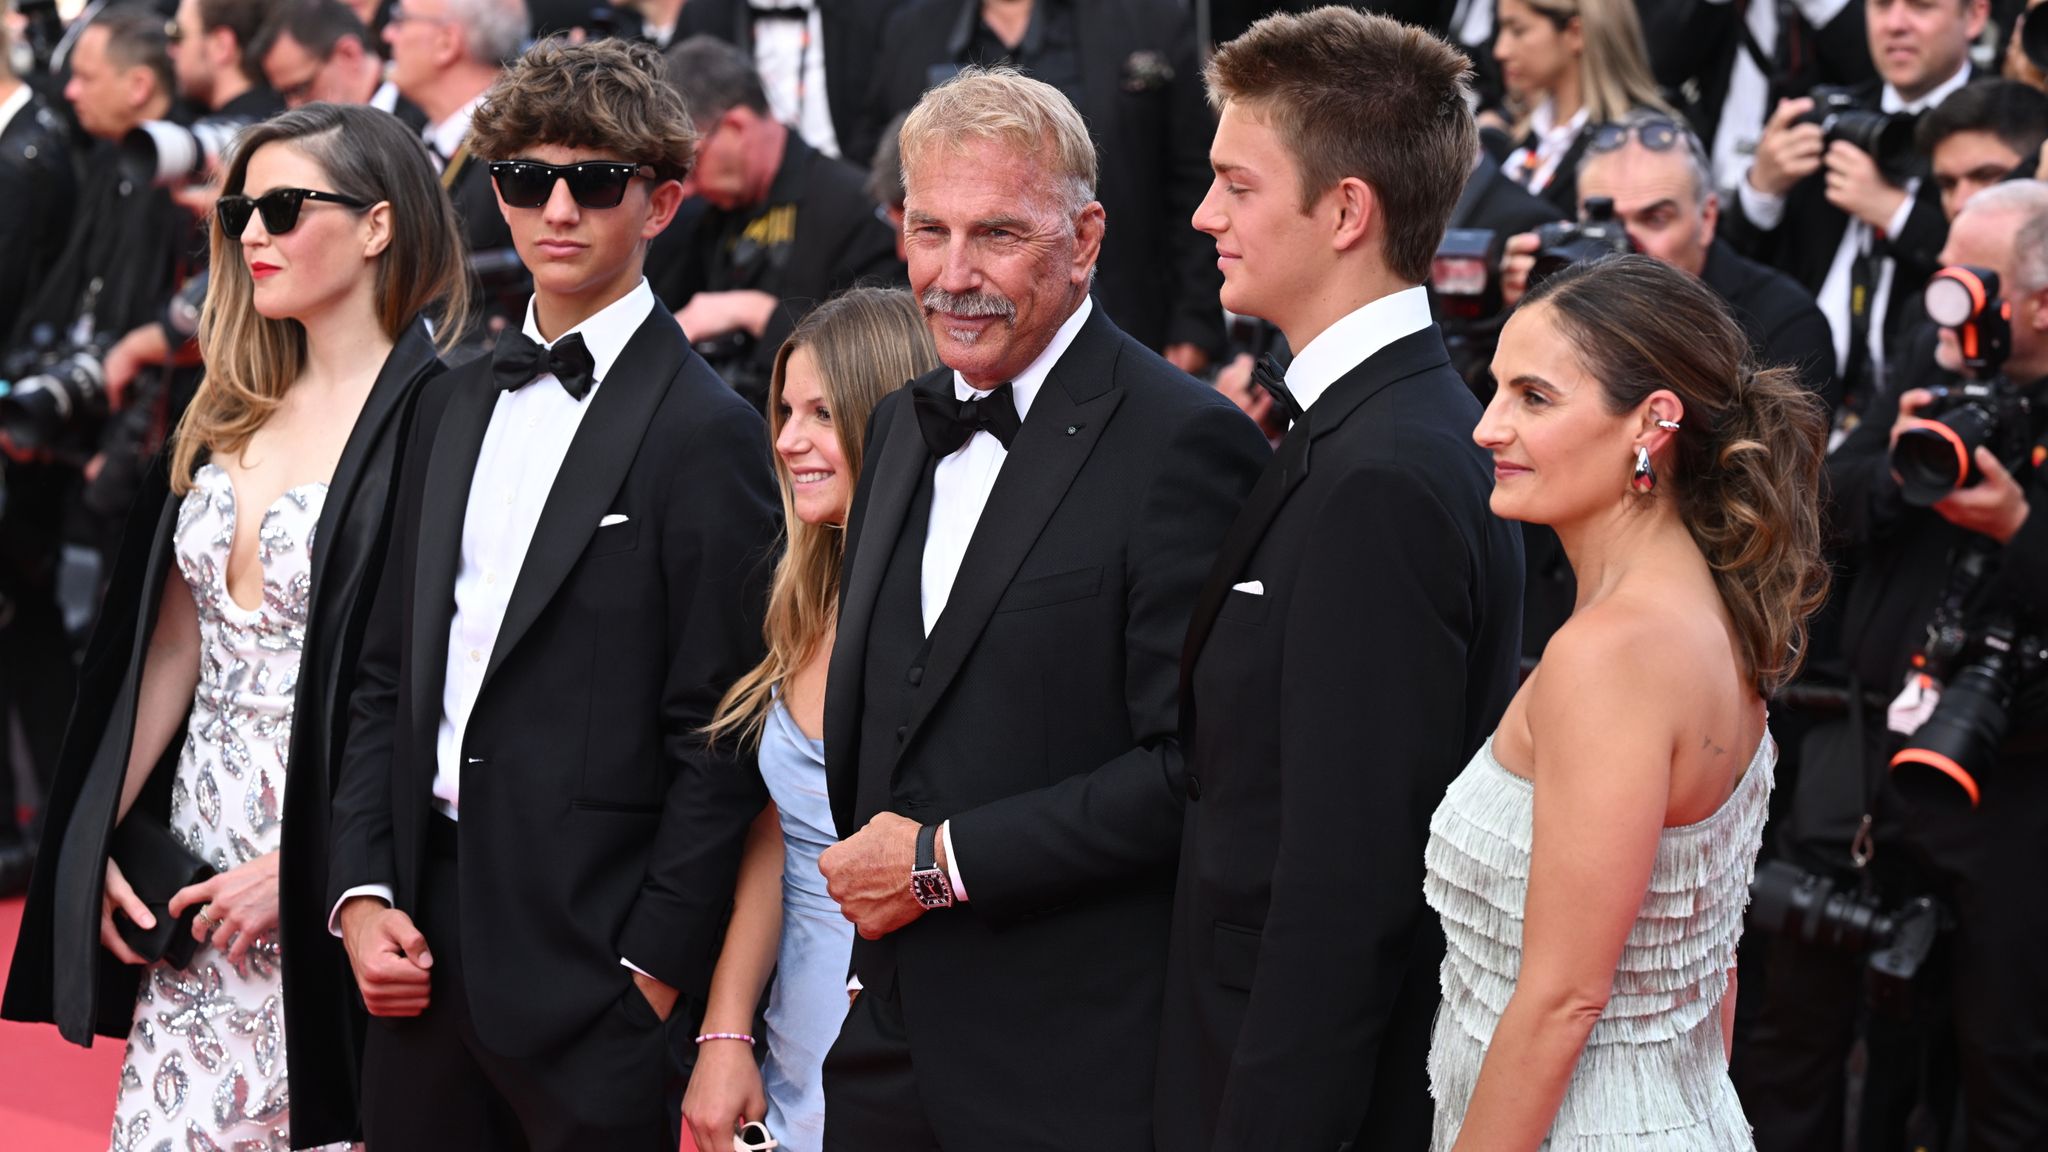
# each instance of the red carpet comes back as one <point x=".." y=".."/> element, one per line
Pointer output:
<point x="54" y="1096"/>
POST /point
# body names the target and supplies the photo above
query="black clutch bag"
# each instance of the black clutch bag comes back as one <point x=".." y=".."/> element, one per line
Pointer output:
<point x="157" y="866"/>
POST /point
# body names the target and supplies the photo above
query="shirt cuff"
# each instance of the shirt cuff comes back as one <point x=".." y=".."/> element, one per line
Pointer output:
<point x="953" y="863"/>
<point x="1763" y="209"/>
<point x="639" y="969"/>
<point x="380" y="891"/>
<point x="1897" y="223"/>
<point x="1820" y="13"/>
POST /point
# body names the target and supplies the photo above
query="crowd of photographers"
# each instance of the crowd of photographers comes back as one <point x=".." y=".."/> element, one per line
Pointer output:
<point x="1856" y="178"/>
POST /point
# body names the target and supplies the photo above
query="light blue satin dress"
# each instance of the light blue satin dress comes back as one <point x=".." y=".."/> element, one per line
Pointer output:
<point x="808" y="1001"/>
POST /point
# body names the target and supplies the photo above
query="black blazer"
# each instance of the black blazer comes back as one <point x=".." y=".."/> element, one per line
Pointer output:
<point x="852" y="32"/>
<point x="1040" y="720"/>
<point x="596" y="823"/>
<point x="1142" y="98"/>
<point x="1804" y="243"/>
<point x="39" y="185"/>
<point x="1324" y="719"/>
<point x="60" y="973"/>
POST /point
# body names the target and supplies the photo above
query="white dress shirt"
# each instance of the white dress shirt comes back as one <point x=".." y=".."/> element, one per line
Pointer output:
<point x="12" y="106"/>
<point x="1767" y="212"/>
<point x="444" y="138"/>
<point x="1353" y="340"/>
<point x="790" y="57"/>
<point x="1745" y="108"/>
<point x="523" y="448"/>
<point x="385" y="99"/>
<point x="960" y="488"/>
<point x="1534" y="168"/>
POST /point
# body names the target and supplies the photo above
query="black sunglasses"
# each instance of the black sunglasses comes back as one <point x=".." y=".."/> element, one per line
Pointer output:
<point x="1656" y="133"/>
<point x="594" y="183"/>
<point x="280" y="209"/>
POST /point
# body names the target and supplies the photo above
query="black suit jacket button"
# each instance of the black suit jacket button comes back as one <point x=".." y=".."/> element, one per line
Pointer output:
<point x="916" y="676"/>
<point x="903" y="733"/>
<point x="1194" y="786"/>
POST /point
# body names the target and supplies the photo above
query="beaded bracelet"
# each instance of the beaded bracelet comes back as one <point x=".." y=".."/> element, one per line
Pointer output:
<point x="726" y="1036"/>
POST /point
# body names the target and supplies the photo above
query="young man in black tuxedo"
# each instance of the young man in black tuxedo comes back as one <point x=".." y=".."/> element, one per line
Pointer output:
<point x="534" y="847"/>
<point x="1029" y="532"/>
<point x="1357" y="637"/>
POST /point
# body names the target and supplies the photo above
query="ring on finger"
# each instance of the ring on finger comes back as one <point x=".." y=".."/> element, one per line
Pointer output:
<point x="206" y="914"/>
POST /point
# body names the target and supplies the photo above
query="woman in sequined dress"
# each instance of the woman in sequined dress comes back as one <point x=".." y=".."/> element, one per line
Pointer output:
<point x="1592" y="863"/>
<point x="332" y="237"/>
<point x="842" y="358"/>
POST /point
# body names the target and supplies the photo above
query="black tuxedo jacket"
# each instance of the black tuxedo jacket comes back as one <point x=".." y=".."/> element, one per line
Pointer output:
<point x="1804" y="243"/>
<point x="1039" y="718"/>
<point x="1158" y="277"/>
<point x="60" y="973"/>
<point x="39" y="185"/>
<point x="596" y="823"/>
<point x="1324" y="718"/>
<point x="852" y="38"/>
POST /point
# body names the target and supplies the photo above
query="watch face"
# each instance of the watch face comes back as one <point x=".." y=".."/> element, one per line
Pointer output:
<point x="930" y="889"/>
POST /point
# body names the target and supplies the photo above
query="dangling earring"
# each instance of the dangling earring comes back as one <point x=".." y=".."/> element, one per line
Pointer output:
<point x="1644" y="480"/>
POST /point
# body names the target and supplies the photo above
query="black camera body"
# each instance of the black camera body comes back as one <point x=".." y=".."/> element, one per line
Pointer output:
<point x="1936" y="453"/>
<point x="62" y="394"/>
<point x="1786" y="901"/>
<point x="1886" y="137"/>
<point x="1595" y="234"/>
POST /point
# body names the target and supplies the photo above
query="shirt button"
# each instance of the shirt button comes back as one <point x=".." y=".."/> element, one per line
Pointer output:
<point x="508" y="499"/>
<point x="476" y="654"/>
<point x="490" y="577"/>
<point x="533" y="421"/>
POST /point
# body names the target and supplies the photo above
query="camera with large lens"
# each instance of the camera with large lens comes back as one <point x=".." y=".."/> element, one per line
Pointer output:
<point x="1980" y="671"/>
<point x="64" y="392"/>
<point x="1595" y="234"/>
<point x="1936" y="453"/>
<point x="1885" y="137"/>
<point x="168" y="154"/>
<point x="1787" y="901"/>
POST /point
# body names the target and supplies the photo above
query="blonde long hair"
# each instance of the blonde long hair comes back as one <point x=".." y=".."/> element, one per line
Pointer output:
<point x="251" y="360"/>
<point x="1614" y="66"/>
<point x="866" y="343"/>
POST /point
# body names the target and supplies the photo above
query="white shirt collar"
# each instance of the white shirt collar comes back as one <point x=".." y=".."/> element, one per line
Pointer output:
<point x="1024" y="385"/>
<point x="1891" y="101"/>
<point x="385" y="98"/>
<point x="447" y="136"/>
<point x="1543" y="121"/>
<point x="12" y="106"/>
<point x="1352" y="340"/>
<point x="606" y="331"/>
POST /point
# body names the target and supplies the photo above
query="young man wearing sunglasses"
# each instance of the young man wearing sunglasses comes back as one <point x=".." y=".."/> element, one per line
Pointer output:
<point x="534" y="848"/>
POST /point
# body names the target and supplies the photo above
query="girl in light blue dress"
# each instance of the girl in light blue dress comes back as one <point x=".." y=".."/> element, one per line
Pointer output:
<point x="842" y="358"/>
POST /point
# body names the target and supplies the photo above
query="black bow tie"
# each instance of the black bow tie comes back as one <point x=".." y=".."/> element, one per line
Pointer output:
<point x="948" y="423"/>
<point x="518" y="361"/>
<point x="1267" y="374"/>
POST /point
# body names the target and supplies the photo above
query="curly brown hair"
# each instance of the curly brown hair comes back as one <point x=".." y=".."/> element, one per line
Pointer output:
<point x="1747" y="467"/>
<point x="606" y="95"/>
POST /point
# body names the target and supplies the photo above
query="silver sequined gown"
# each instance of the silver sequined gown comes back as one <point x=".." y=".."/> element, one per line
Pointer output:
<point x="1653" y="1076"/>
<point x="205" y="1070"/>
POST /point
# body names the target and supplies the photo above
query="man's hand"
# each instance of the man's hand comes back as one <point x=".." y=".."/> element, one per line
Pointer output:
<point x="1994" y="506"/>
<point x="660" y="997"/>
<point x="709" y="315"/>
<point x="125" y="361"/>
<point x="1189" y="358"/>
<point x="1788" y="152"/>
<point x="869" y="874"/>
<point x="1517" y="260"/>
<point x="389" y="956"/>
<point x="1856" y="186"/>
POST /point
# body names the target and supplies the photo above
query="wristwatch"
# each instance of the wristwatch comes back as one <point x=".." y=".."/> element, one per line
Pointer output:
<point x="928" y="882"/>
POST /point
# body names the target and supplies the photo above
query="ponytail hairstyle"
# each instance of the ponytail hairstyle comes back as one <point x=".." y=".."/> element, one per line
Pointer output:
<point x="252" y="360"/>
<point x="1745" y="469"/>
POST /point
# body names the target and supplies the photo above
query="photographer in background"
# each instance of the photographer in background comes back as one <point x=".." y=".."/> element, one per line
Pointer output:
<point x="38" y="186"/>
<point x="1988" y="132"/>
<point x="320" y="50"/>
<point x="781" y="227"/>
<point x="1819" y="207"/>
<point x="1982" y="861"/>
<point x="218" y="72"/>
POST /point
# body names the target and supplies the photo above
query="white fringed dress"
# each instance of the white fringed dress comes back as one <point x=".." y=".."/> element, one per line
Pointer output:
<point x="1653" y="1077"/>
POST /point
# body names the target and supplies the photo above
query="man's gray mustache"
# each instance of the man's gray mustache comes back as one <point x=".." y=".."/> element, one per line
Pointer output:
<point x="975" y="304"/>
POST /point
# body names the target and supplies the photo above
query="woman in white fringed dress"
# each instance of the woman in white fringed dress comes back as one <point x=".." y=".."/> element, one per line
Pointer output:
<point x="1592" y="864"/>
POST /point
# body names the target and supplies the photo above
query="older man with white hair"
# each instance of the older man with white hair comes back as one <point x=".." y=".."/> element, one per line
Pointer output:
<point x="1033" y="525"/>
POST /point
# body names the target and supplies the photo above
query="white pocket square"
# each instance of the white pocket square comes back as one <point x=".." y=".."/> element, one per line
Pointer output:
<point x="1252" y="587"/>
<point x="614" y="518"/>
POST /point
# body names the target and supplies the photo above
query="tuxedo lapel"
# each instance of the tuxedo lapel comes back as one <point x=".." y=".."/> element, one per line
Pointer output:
<point x="1066" y="420"/>
<point x="450" y="468"/>
<point x="903" y="460"/>
<point x="1405" y="357"/>
<point x="596" y="465"/>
